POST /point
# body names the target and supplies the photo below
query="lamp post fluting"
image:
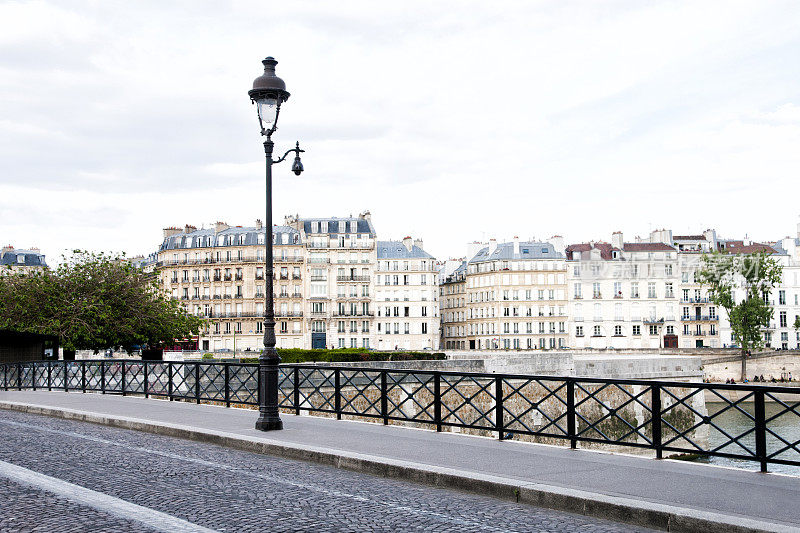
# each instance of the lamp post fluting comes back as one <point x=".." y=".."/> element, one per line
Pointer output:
<point x="268" y="93"/>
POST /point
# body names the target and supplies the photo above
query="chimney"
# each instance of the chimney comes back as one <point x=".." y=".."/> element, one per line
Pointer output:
<point x="190" y="229"/>
<point x="407" y="242"/>
<point x="418" y="243"/>
<point x="492" y="246"/>
<point x="220" y="226"/>
<point x="616" y="240"/>
<point x="558" y="243"/>
<point x="366" y="216"/>
<point x="516" y="245"/>
<point x="169" y="232"/>
<point x="259" y="224"/>
<point x="35" y="250"/>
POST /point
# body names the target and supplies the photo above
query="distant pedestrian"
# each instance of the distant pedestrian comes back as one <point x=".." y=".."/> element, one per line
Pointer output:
<point x="790" y="376"/>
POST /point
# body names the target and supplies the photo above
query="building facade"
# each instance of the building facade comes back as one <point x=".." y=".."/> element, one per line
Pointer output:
<point x="324" y="285"/>
<point x="406" y="298"/>
<point x="623" y="295"/>
<point x="453" y="301"/>
<point x="516" y="298"/>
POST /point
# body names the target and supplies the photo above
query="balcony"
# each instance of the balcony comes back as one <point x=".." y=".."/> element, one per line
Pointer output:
<point x="217" y="277"/>
<point x="297" y="295"/>
<point x="699" y="318"/>
<point x="196" y="279"/>
<point x="228" y="277"/>
<point x="296" y="276"/>
<point x="239" y="277"/>
<point x="289" y="259"/>
<point x="319" y="278"/>
<point x="352" y="278"/>
<point x="289" y="314"/>
<point x="174" y="280"/>
<point x="217" y="296"/>
<point x="261" y="277"/>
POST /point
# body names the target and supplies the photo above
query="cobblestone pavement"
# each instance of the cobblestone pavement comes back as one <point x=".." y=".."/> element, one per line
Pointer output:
<point x="230" y="490"/>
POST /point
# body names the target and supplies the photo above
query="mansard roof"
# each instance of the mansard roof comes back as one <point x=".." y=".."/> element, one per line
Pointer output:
<point x="331" y="226"/>
<point x="527" y="250"/>
<point x="208" y="238"/>
<point x="397" y="250"/>
<point x="32" y="258"/>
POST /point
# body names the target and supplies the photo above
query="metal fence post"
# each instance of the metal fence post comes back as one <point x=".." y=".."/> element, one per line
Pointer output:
<point x="5" y="376"/>
<point x="337" y="398"/>
<point x="83" y="376"/>
<point x="197" y="382"/>
<point x="49" y="375"/>
<point x="437" y="400"/>
<point x="102" y="377"/>
<point x="33" y="376"/>
<point x="66" y="377"/>
<point x="123" y="378"/>
<point x="169" y="380"/>
<point x="761" y="429"/>
<point x="571" y="432"/>
<point x="498" y="406"/>
<point x="227" y="384"/>
<point x="19" y="376"/>
<point x="146" y="380"/>
<point x="655" y="419"/>
<point x="296" y="391"/>
<point x="384" y="398"/>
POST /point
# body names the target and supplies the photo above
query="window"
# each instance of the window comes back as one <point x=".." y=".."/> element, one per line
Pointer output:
<point x="668" y="269"/>
<point x="597" y="331"/>
<point x="578" y="292"/>
<point x="617" y="289"/>
<point x="634" y="289"/>
<point x="637" y="330"/>
<point x="782" y="297"/>
<point x="668" y="291"/>
<point x="579" y="331"/>
<point x="618" y="331"/>
<point x="651" y="289"/>
<point x="424" y="327"/>
<point x="782" y="319"/>
<point x="595" y="290"/>
<point x="653" y="329"/>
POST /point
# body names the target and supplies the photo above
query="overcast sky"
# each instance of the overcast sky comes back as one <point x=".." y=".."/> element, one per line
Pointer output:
<point x="449" y="121"/>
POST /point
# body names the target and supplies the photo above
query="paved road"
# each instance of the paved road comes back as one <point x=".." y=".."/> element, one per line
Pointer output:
<point x="58" y="475"/>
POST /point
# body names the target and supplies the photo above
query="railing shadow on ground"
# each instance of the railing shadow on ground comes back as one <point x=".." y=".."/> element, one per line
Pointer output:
<point x="661" y="416"/>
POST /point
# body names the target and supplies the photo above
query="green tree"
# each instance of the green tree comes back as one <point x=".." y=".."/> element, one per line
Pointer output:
<point x="92" y="302"/>
<point x="741" y="284"/>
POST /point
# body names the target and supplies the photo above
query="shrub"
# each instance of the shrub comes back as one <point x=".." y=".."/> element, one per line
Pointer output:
<point x="346" y="355"/>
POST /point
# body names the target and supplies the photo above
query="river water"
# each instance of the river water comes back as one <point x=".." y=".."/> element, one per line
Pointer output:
<point x="735" y="423"/>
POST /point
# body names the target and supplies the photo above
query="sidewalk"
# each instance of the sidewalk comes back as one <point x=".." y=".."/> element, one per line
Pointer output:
<point x="664" y="494"/>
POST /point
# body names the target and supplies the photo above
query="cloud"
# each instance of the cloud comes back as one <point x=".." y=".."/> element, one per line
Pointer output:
<point x="449" y="121"/>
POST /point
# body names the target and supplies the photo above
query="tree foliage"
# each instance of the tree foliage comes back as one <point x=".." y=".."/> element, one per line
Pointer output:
<point x="92" y="302"/>
<point x="741" y="284"/>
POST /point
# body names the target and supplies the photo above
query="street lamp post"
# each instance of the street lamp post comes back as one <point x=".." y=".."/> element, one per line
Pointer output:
<point x="268" y="93"/>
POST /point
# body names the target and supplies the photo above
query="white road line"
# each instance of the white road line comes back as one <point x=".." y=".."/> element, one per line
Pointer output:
<point x="99" y="501"/>
<point x="444" y="517"/>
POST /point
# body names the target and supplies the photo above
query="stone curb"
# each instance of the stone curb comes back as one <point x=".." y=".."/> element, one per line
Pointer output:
<point x="614" y="508"/>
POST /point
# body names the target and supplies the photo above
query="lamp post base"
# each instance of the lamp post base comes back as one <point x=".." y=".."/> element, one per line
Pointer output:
<point x="269" y="423"/>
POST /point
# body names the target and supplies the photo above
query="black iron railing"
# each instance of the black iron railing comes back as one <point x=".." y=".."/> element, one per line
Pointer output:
<point x="664" y="416"/>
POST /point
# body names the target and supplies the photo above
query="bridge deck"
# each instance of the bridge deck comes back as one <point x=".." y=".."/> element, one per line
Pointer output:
<point x="768" y="499"/>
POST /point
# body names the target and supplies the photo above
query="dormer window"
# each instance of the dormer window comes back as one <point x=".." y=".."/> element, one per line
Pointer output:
<point x="21" y="259"/>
